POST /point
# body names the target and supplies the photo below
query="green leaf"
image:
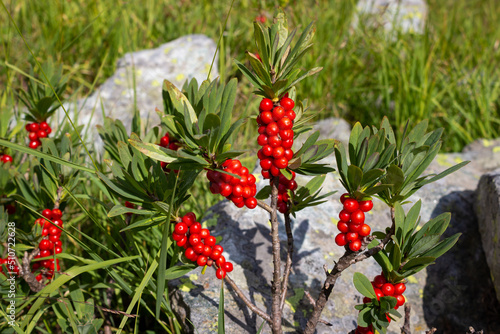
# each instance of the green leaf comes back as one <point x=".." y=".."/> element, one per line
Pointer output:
<point x="254" y="80"/>
<point x="120" y="210"/>
<point x="443" y="246"/>
<point x="315" y="183"/>
<point x="153" y="151"/>
<point x="220" y="318"/>
<point x="264" y="193"/>
<point x="354" y="177"/>
<point x="363" y="285"/>
<point x="180" y="101"/>
<point x="178" y="271"/>
<point x="423" y="244"/>
<point x="419" y="261"/>
<point x="356" y="131"/>
<point x="364" y="317"/>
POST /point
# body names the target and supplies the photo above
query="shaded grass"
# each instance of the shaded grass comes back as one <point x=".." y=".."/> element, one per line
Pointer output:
<point x="448" y="74"/>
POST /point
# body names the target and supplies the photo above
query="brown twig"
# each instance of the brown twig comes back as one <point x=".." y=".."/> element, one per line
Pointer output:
<point x="247" y="302"/>
<point x="58" y="199"/>
<point x="406" y="329"/>
<point x="264" y="206"/>
<point x="349" y="258"/>
<point x="313" y="303"/>
<point x="288" y="265"/>
<point x="26" y="273"/>
<point x="276" y="283"/>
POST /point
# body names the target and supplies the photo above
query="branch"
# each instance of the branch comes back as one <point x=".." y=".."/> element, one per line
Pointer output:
<point x="58" y="199"/>
<point x="288" y="265"/>
<point x="313" y="303"/>
<point x="276" y="283"/>
<point x="264" y="206"/>
<point x="406" y="329"/>
<point x="247" y="302"/>
<point x="26" y="273"/>
<point x="349" y="258"/>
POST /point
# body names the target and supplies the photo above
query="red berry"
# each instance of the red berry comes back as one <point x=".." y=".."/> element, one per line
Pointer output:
<point x="202" y="261"/>
<point x="266" y="117"/>
<point x="227" y="267"/>
<point x="47" y="213"/>
<point x="56" y="214"/>
<point x="288" y="154"/>
<point x="214" y="188"/>
<point x="237" y="200"/>
<point x="364" y="230"/>
<point x="365" y="206"/>
<point x="387" y="289"/>
<point x="278" y="113"/>
<point x="285" y="123"/>
<point x="351" y="205"/>
<point x="45" y="244"/>
<point x="287" y="103"/>
<point x="35" y="144"/>
<point x="216" y="254"/>
<point x="291" y="114"/>
<point x="195" y="228"/>
<point x="204" y="233"/>
<point x="274" y="141"/>
<point x="225" y="189"/>
<point x="266" y="163"/>
<point x="367" y="300"/>
<point x="288" y="143"/>
<point x="379" y="280"/>
<point x="58" y="243"/>
<point x="220" y="260"/>
<point x="177" y="237"/>
<point x="272" y="129"/>
<point x="354" y="227"/>
<point x="399" y="288"/>
<point x="199" y="247"/>
<point x="292" y="185"/>
<point x="41" y="134"/>
<point x="281" y="163"/>
<point x="210" y="241"/>
<point x="238" y="191"/>
<point x="341" y="239"/>
<point x="401" y="300"/>
<point x="44" y="126"/>
<point x="190" y="253"/>
<point x="267" y="150"/>
<point x="378" y="293"/>
<point x="164" y="141"/>
<point x="194" y="239"/>
<point x="207" y="251"/>
<point x="274" y="170"/>
<point x="262" y="140"/>
<point x="34" y="127"/>
<point x="286" y="134"/>
<point x="262" y="129"/>
<point x="357" y="217"/>
<point x="344" y="216"/>
<point x="343" y="227"/>
<point x="235" y="165"/>
<point x="251" y="203"/>
<point x="266" y="174"/>
<point x="54" y="237"/>
<point x="45" y="253"/>
<point x="282" y="207"/>
<point x="221" y="274"/>
<point x="32" y="136"/>
<point x="266" y="105"/>
<point x="278" y="152"/>
<point x="251" y="179"/>
<point x="54" y="230"/>
<point x="355" y="245"/>
<point x="351" y="236"/>
<point x="58" y="249"/>
<point x="344" y="197"/>
<point x="247" y="192"/>
<point x="181" y="228"/>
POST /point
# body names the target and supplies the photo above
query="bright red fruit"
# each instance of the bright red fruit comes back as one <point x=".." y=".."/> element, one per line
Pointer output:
<point x="365" y="206"/>
<point x="399" y="288"/>
<point x="351" y="236"/>
<point x="378" y="293"/>
<point x="266" y="117"/>
<point x="32" y="136"/>
<point x="221" y="274"/>
<point x="278" y="113"/>
<point x="344" y="216"/>
<point x="355" y="245"/>
<point x="287" y="103"/>
<point x="401" y="300"/>
<point x="228" y="267"/>
<point x="56" y="214"/>
<point x="35" y="144"/>
<point x="291" y="114"/>
<point x="351" y="205"/>
<point x="281" y="163"/>
<point x="202" y="261"/>
<point x="388" y="289"/>
<point x="164" y="141"/>
<point x="357" y="217"/>
<point x="285" y="123"/>
<point x="272" y="129"/>
<point x="251" y="203"/>
<point x="364" y="230"/>
<point x="262" y="140"/>
<point x="266" y="105"/>
<point x="378" y="281"/>
<point x="181" y="228"/>
<point x="341" y="239"/>
<point x="44" y="126"/>
<point x="344" y="197"/>
<point x="343" y="227"/>
<point x="34" y="127"/>
<point x="47" y="213"/>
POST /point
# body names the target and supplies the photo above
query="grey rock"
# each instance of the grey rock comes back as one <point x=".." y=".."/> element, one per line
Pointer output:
<point x="405" y="15"/>
<point x="487" y="207"/>
<point x="141" y="74"/>
<point x="451" y="295"/>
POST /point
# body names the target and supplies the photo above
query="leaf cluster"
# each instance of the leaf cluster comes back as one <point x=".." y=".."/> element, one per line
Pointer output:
<point x="375" y="312"/>
<point x="412" y="248"/>
<point x="275" y="72"/>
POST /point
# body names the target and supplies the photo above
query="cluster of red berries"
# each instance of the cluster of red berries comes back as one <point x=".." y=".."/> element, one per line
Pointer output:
<point x="50" y="243"/>
<point x="383" y="288"/>
<point x="169" y="143"/>
<point x="5" y="158"/>
<point x="275" y="135"/>
<point x="283" y="187"/>
<point x="200" y="246"/>
<point x="351" y="224"/>
<point x="37" y="131"/>
<point x="10" y="264"/>
<point x="241" y="191"/>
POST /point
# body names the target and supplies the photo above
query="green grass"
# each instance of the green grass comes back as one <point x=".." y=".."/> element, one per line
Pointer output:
<point x="447" y="74"/>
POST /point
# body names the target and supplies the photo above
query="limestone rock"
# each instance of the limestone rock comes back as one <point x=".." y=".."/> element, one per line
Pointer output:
<point x="139" y="77"/>
<point x="451" y="295"/>
<point x="487" y="208"/>
<point x="406" y="15"/>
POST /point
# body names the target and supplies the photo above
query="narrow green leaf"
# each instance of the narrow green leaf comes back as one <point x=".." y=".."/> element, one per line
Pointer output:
<point x="178" y="271"/>
<point x="363" y="285"/>
<point x="220" y="319"/>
